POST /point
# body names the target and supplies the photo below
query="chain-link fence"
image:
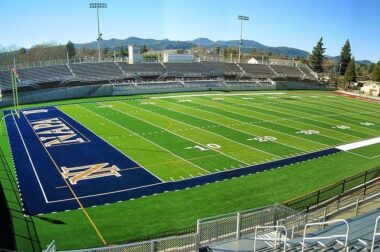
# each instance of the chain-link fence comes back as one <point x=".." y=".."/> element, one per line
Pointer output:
<point x="297" y="222"/>
<point x="335" y="190"/>
<point x="236" y="225"/>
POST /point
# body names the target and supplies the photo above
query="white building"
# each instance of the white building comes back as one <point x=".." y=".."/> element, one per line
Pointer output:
<point x="173" y="57"/>
<point x="134" y="56"/>
<point x="253" y="61"/>
<point x="371" y="88"/>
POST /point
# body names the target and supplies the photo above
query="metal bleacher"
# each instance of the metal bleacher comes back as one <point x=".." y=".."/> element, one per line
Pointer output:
<point x="96" y="71"/>
<point x="84" y="73"/>
<point x="288" y="71"/>
<point x="5" y="80"/>
<point x="40" y="75"/>
<point x="145" y="69"/>
<point x="359" y="233"/>
<point x="195" y="69"/>
<point x="258" y="70"/>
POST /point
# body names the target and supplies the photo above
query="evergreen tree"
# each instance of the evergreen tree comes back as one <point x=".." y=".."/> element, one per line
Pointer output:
<point x="317" y="56"/>
<point x="350" y="74"/>
<point x="345" y="57"/>
<point x="144" y="49"/>
<point x="70" y="48"/>
<point x="375" y="75"/>
<point x="22" y="51"/>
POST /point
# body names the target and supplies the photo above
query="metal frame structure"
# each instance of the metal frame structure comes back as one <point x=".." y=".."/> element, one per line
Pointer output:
<point x="276" y="239"/>
<point x="317" y="238"/>
<point x="242" y="18"/>
<point x="98" y="6"/>
<point x="375" y="233"/>
<point x="16" y="106"/>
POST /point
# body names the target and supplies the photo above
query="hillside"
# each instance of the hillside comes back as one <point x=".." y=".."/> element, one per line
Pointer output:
<point x="163" y="44"/>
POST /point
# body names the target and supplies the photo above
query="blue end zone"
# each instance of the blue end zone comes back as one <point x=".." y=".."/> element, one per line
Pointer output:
<point x="49" y="146"/>
<point x="59" y="162"/>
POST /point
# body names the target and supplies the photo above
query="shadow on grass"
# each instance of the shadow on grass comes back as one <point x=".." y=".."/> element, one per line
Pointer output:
<point x="17" y="231"/>
<point x="53" y="221"/>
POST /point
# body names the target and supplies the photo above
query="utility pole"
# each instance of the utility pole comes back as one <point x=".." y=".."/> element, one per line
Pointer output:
<point x="242" y="18"/>
<point x="98" y="6"/>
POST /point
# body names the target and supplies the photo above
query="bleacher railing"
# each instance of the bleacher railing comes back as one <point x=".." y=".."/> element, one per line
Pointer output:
<point x="334" y="191"/>
<point x="375" y="233"/>
<point x="87" y="59"/>
<point x="327" y="237"/>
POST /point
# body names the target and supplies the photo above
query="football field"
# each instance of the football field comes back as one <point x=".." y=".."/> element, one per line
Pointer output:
<point x="189" y="135"/>
<point x="131" y="151"/>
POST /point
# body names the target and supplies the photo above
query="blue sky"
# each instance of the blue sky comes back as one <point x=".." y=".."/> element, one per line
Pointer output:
<point x="293" y="23"/>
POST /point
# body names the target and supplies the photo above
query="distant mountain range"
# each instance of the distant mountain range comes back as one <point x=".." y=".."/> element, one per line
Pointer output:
<point x="166" y="44"/>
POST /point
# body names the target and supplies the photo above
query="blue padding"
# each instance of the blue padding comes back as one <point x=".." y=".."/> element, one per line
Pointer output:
<point x="44" y="190"/>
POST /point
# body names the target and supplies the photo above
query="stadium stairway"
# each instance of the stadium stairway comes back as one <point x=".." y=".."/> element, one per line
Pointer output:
<point x="360" y="233"/>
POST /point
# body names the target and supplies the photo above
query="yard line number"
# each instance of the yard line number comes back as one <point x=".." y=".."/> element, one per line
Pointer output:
<point x="262" y="139"/>
<point x="202" y="148"/>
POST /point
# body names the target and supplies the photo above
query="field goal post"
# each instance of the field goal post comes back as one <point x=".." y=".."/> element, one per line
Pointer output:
<point x="15" y="79"/>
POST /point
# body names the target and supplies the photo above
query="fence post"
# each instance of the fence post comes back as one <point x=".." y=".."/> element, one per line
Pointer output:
<point x="324" y="216"/>
<point x="357" y="206"/>
<point x="318" y="195"/>
<point x="238" y="226"/>
<point x="343" y="185"/>
<point x="153" y="246"/>
<point x="198" y="236"/>
<point x="365" y="182"/>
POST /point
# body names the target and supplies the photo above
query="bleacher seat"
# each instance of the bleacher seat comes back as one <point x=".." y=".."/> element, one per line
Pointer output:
<point x="258" y="70"/>
<point x="39" y="75"/>
<point x="195" y="69"/>
<point x="287" y="71"/>
<point x="307" y="73"/>
<point x="5" y="80"/>
<point x="145" y="69"/>
<point x="96" y="71"/>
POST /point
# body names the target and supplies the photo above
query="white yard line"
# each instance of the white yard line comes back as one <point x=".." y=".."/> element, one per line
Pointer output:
<point x="110" y="144"/>
<point x="195" y="95"/>
<point x="225" y="125"/>
<point x="178" y="135"/>
<point x="351" y="146"/>
<point x="207" y="131"/>
<point x="31" y="161"/>
<point x="256" y="124"/>
<point x="246" y="110"/>
<point x="144" y="139"/>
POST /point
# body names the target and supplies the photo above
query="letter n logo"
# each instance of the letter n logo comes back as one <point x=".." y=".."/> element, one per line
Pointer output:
<point x="75" y="174"/>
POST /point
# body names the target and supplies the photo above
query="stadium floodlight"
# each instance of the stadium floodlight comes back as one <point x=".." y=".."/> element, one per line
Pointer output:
<point x="98" y="6"/>
<point x="242" y="18"/>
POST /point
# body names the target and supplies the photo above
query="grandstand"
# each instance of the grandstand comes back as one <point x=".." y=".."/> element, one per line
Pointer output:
<point x="258" y="70"/>
<point x="96" y="71"/>
<point x="108" y="72"/>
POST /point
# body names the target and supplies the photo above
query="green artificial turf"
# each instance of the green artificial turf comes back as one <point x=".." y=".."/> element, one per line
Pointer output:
<point x="187" y="136"/>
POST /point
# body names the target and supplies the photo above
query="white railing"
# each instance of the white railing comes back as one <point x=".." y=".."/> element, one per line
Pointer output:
<point x="328" y="237"/>
<point x="276" y="239"/>
<point x="375" y="233"/>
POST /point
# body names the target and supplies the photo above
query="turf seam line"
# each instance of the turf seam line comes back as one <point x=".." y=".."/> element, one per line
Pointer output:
<point x="72" y="191"/>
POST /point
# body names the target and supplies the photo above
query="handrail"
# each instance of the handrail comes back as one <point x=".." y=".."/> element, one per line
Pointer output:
<point x="345" y="236"/>
<point x="375" y="233"/>
<point x="270" y="239"/>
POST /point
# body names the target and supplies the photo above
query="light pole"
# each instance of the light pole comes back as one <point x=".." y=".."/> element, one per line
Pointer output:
<point x="242" y="18"/>
<point x="98" y="6"/>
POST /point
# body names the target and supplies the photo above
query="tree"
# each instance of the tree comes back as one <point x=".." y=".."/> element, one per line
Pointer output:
<point x="70" y="49"/>
<point x="22" y="51"/>
<point x="105" y="51"/>
<point x="345" y="57"/>
<point x="317" y="56"/>
<point x="375" y="75"/>
<point x="144" y="49"/>
<point x="350" y="74"/>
